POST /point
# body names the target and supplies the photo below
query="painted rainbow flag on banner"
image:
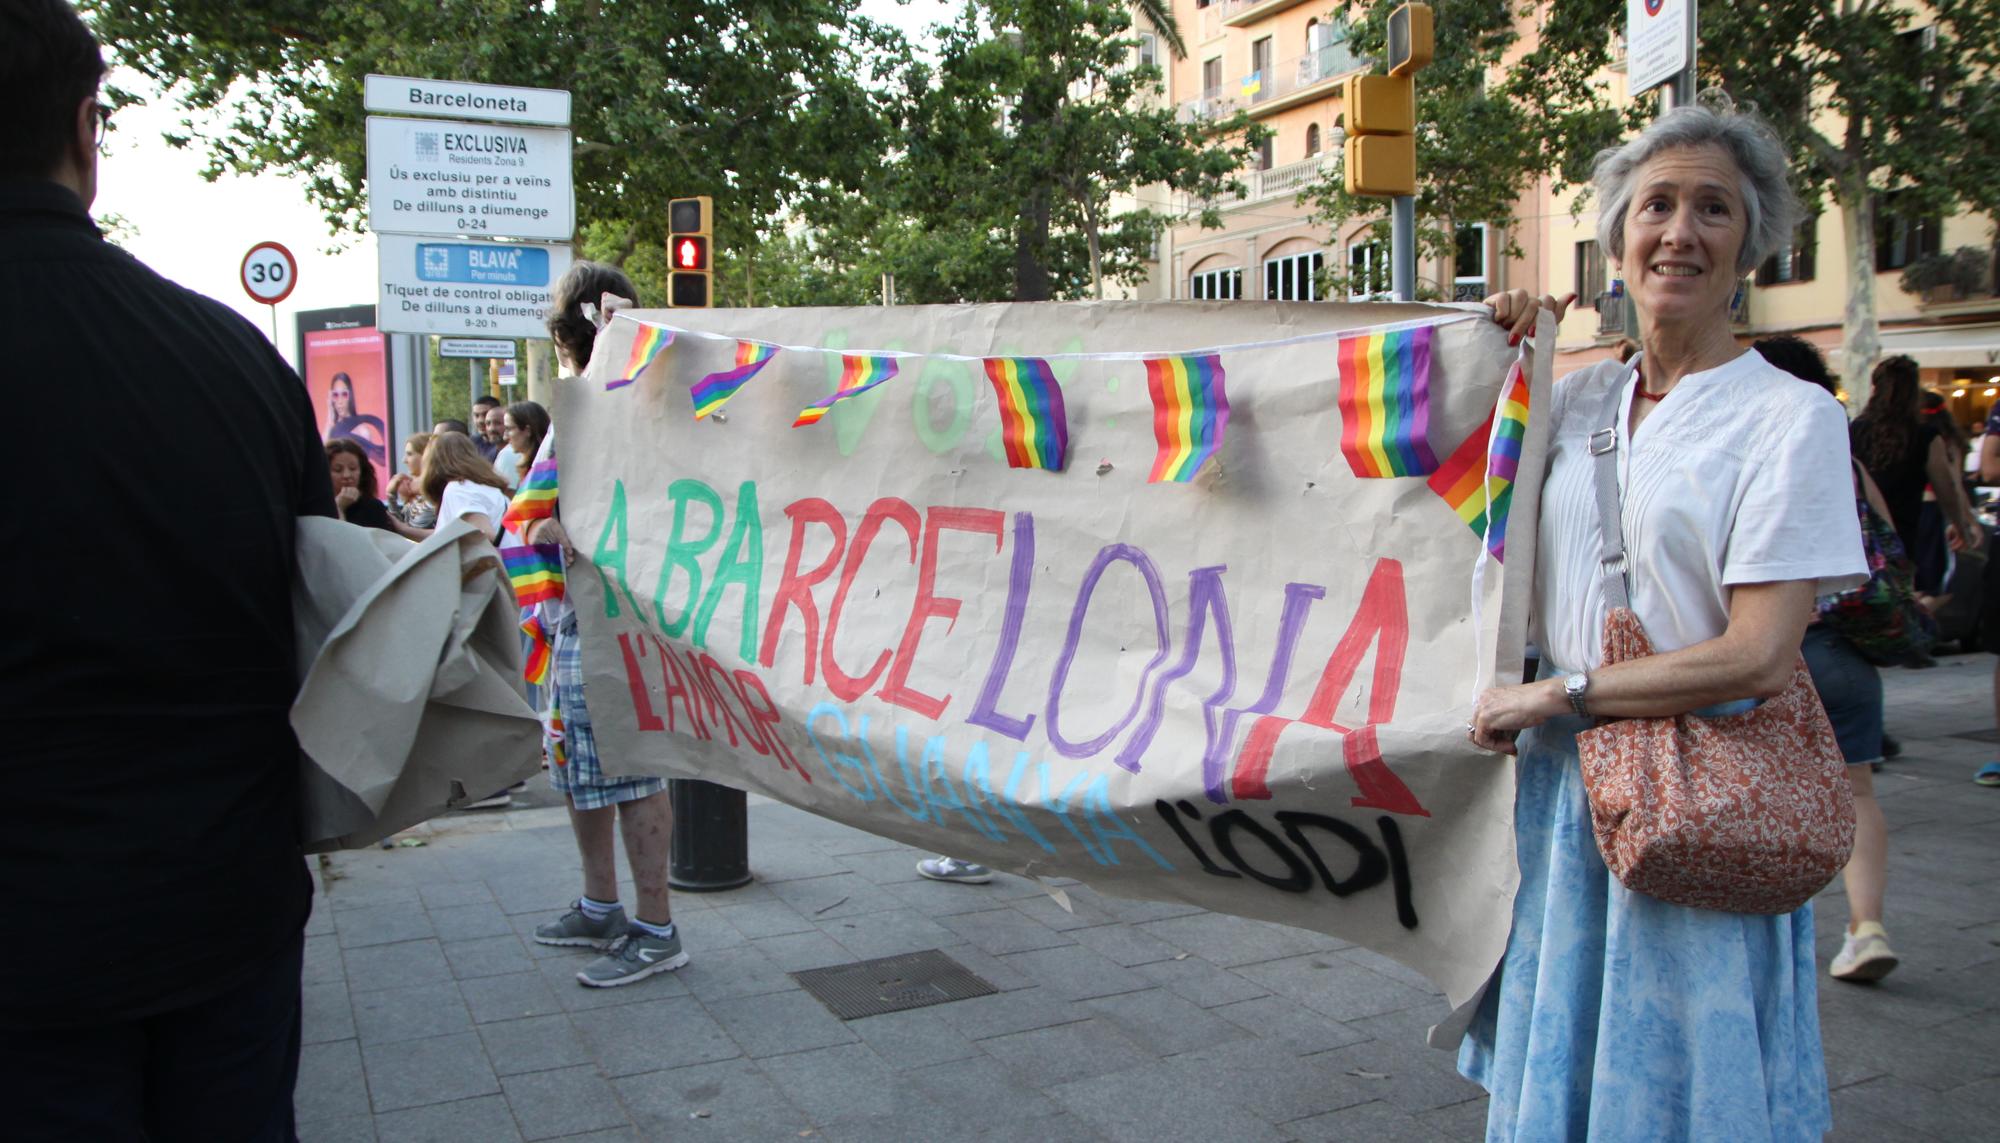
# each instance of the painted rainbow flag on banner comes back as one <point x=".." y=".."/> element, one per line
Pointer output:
<point x="651" y="340"/>
<point x="1034" y="425"/>
<point x="535" y="499"/>
<point x="858" y="374"/>
<point x="1190" y="412"/>
<point x="1385" y="402"/>
<point x="713" y="391"/>
<point x="1478" y="484"/>
<point x="535" y="570"/>
<point x="535" y="667"/>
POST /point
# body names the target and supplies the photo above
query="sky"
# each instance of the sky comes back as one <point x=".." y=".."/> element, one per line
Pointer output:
<point x="197" y="233"/>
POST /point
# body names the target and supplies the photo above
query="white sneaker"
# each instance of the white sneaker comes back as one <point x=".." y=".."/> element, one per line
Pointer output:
<point x="952" y="869"/>
<point x="1865" y="955"/>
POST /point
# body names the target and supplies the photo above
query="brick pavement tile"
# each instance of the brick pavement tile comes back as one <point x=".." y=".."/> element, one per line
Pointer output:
<point x="322" y="960"/>
<point x="703" y="935"/>
<point x="1233" y="941"/>
<point x="324" y="1013"/>
<point x="515" y="997"/>
<point x="487" y="956"/>
<point x="414" y="1013"/>
<point x="1076" y="973"/>
<point x="464" y="922"/>
<point x="346" y="1129"/>
<point x="523" y="925"/>
<point x="1940" y="1057"/>
<point x="1087" y="908"/>
<point x="1123" y="944"/>
<point x="1197" y="980"/>
<point x="1395" y="970"/>
<point x="1275" y="1085"/>
<point x="1917" y="1111"/>
<point x="482" y="1118"/>
<point x="828" y="898"/>
<point x="653" y="1035"/>
<point x="1459" y="1121"/>
<point x="1004" y="931"/>
<point x="542" y="894"/>
<point x="536" y="1044"/>
<point x="560" y="976"/>
<point x="1376" y="1122"/>
<point x="1164" y="1022"/>
<point x="610" y="1135"/>
<point x="1339" y="988"/>
<point x="845" y="1082"/>
<point x="744" y="971"/>
<point x="798" y="952"/>
<point x="382" y="925"/>
<point x="986" y="1096"/>
<point x="404" y="965"/>
<point x="447" y="894"/>
<point x="771" y="918"/>
<point x="780" y="1023"/>
<point x="1137" y="910"/>
<point x="889" y="933"/>
<point x="914" y="1119"/>
<point x="776" y="861"/>
<point x="331" y="1083"/>
<point x="565" y="1102"/>
<point x="320" y="921"/>
<point x="1149" y="1105"/>
<point x="940" y="899"/>
<point x="987" y="967"/>
<point x="742" y="1104"/>
<point x="344" y="896"/>
<point x="884" y="866"/>
<point x="1414" y="1077"/>
<point x="412" y="1073"/>
<point x="1046" y="1057"/>
<point x="1280" y="1021"/>
<point x="913" y="1039"/>
<point x="1008" y="1012"/>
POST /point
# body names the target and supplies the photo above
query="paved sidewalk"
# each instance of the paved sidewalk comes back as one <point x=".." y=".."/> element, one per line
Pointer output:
<point x="429" y="1015"/>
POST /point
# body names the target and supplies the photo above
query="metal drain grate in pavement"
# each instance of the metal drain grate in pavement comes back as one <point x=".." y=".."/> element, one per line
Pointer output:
<point x="892" y="984"/>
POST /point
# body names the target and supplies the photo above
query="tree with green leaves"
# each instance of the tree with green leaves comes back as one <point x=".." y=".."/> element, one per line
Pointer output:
<point x="1478" y="146"/>
<point x="753" y="104"/>
<point x="1880" y="102"/>
<point x="1034" y="123"/>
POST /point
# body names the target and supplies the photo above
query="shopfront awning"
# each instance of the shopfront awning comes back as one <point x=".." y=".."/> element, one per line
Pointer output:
<point x="1947" y="347"/>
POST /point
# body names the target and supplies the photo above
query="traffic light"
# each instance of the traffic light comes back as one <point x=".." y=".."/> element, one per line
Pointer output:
<point x="1381" y="148"/>
<point x="688" y="239"/>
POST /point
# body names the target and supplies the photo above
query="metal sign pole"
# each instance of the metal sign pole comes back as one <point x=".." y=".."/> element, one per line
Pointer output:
<point x="1680" y="90"/>
<point x="1403" y="247"/>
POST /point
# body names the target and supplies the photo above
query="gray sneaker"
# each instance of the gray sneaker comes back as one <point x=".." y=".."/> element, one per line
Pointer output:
<point x="575" y="928"/>
<point x="634" y="956"/>
<point x="952" y="869"/>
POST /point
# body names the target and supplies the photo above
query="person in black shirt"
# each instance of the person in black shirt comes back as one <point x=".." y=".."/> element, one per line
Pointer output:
<point x="150" y="865"/>
<point x="354" y="493"/>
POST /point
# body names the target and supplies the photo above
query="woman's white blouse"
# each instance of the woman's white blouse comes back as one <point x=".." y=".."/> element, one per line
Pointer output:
<point x="1740" y="475"/>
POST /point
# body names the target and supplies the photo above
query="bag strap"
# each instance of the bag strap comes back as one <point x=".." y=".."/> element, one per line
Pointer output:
<point x="1612" y="566"/>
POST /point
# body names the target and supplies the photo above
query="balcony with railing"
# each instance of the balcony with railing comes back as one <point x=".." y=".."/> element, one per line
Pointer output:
<point x="1273" y="182"/>
<point x="1281" y="85"/>
<point x="1220" y="14"/>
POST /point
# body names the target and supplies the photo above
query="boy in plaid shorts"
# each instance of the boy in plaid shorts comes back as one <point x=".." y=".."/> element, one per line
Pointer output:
<point x="599" y="804"/>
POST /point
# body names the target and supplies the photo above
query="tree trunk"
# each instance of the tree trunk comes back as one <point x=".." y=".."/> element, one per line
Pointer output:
<point x="1031" y="243"/>
<point x="1861" y="339"/>
<point x="1090" y="237"/>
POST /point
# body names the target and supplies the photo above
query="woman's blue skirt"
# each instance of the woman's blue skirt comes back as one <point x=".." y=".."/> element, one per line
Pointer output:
<point x="1617" y="1016"/>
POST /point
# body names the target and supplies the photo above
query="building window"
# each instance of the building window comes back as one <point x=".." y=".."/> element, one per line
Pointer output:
<point x="1468" y="266"/>
<point x="1312" y="139"/>
<point x="1211" y="77"/>
<point x="1367" y="270"/>
<point x="1217" y="285"/>
<point x="1149" y="49"/>
<point x="1794" y="261"/>
<point x="1902" y="235"/>
<point x="1590" y="276"/>
<point x="1293" y="278"/>
<point x="1264" y="159"/>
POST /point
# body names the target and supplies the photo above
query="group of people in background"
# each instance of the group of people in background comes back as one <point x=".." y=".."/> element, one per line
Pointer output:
<point x="449" y="472"/>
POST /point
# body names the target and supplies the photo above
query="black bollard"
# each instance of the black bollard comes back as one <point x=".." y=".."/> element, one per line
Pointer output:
<point x="711" y="846"/>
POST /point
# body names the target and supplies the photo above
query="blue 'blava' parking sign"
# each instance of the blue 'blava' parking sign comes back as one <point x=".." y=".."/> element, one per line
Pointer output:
<point x="481" y="263"/>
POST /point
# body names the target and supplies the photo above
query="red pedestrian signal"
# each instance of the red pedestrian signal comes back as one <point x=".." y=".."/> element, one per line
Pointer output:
<point x="689" y="221"/>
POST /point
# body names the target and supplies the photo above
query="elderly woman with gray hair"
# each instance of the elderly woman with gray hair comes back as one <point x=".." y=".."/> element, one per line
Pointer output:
<point x="1615" y="1015"/>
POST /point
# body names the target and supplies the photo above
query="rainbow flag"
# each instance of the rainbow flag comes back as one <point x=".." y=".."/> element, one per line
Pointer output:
<point x="1034" y="426"/>
<point x="1190" y="412"/>
<point x="646" y="346"/>
<point x="1478" y="480"/>
<point x="713" y="391"/>
<point x="557" y="738"/>
<point x="535" y="668"/>
<point x="535" y="499"/>
<point x="857" y="376"/>
<point x="535" y="570"/>
<point x="1385" y="403"/>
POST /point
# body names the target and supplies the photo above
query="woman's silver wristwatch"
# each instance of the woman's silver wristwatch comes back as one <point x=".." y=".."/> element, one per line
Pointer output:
<point x="1576" y="686"/>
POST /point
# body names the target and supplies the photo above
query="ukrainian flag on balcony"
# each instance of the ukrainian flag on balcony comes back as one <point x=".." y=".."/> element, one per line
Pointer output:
<point x="1252" y="84"/>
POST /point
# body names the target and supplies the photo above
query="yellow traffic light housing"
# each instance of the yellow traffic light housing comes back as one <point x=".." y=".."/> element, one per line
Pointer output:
<point x="1411" y="40"/>
<point x="1381" y="105"/>
<point x="1381" y="166"/>
<point x="689" y="241"/>
<point x="1381" y="110"/>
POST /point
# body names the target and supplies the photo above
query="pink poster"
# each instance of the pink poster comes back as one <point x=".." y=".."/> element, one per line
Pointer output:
<point x="346" y="373"/>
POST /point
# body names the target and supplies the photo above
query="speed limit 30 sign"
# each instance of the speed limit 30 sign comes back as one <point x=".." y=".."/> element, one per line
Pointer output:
<point x="269" y="273"/>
